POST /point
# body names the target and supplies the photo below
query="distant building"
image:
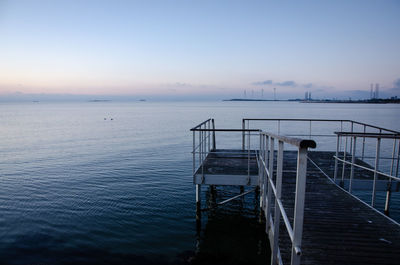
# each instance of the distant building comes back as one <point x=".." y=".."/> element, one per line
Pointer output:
<point x="307" y="95"/>
<point x="376" y="90"/>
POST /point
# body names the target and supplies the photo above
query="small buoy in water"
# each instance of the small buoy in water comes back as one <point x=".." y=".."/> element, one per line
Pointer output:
<point x="112" y="119"/>
<point x="105" y="118"/>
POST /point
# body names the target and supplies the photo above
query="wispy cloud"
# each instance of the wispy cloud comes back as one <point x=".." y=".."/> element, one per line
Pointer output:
<point x="287" y="83"/>
<point x="262" y="83"/>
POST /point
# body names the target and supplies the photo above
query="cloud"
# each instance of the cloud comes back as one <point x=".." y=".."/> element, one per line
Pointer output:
<point x="262" y="83"/>
<point x="287" y="83"/>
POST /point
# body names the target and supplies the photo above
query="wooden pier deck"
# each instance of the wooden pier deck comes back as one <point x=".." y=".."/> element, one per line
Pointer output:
<point x="228" y="167"/>
<point x="337" y="228"/>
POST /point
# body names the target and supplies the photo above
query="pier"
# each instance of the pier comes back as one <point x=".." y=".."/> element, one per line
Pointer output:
<point x="324" y="186"/>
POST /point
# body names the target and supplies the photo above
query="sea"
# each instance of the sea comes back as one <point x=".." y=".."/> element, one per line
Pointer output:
<point x="111" y="182"/>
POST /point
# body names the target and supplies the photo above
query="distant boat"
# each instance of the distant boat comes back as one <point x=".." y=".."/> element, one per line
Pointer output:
<point x="142" y="100"/>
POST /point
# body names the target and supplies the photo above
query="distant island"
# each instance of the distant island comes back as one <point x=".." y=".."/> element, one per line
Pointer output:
<point x="247" y="99"/>
<point x="99" y="100"/>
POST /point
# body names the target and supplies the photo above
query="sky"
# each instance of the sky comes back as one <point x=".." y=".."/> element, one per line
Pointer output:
<point x="199" y="49"/>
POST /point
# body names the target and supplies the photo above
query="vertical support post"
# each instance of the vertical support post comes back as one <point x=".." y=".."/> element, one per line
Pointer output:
<point x="277" y="213"/>
<point x="336" y="159"/>
<point x="200" y="154"/>
<point x="261" y="168"/>
<point x="377" y="154"/>
<point x="269" y="176"/>
<point x="265" y="182"/>
<point x="363" y="145"/>
<point x="243" y="134"/>
<point x="259" y="157"/>
<point x="353" y="160"/>
<point x="398" y="159"/>
<point x="344" y="160"/>
<point x="198" y="201"/>
<point x="205" y="143"/>
<point x="248" y="158"/>
<point x="213" y="134"/>
<point x="389" y="188"/>
<point x="299" y="205"/>
<point x="194" y="152"/>
<point x="351" y="139"/>
<point x="310" y="129"/>
<point x="209" y="135"/>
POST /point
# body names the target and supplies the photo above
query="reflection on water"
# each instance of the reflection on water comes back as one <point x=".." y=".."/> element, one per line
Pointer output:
<point x="233" y="233"/>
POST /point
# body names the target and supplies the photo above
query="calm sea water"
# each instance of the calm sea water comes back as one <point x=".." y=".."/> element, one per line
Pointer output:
<point x="78" y="187"/>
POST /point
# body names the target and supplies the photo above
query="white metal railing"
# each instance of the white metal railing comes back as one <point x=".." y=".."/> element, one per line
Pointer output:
<point x="270" y="188"/>
<point x="205" y="132"/>
<point x="206" y="143"/>
<point x="314" y="128"/>
<point x="342" y="156"/>
<point x="370" y="144"/>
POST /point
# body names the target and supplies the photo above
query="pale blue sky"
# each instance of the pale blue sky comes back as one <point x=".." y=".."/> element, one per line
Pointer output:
<point x="190" y="48"/>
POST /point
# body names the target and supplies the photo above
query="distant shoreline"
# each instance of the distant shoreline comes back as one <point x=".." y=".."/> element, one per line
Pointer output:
<point x="361" y="101"/>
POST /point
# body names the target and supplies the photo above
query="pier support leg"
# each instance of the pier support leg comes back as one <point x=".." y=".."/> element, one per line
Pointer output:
<point x="198" y="202"/>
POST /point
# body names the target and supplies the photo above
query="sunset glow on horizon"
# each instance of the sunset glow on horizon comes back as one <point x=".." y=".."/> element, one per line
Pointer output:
<point x="199" y="47"/>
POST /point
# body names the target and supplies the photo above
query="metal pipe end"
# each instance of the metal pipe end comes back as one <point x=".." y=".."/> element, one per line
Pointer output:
<point x="297" y="250"/>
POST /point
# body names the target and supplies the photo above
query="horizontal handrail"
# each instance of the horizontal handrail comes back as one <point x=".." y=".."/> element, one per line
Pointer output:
<point x="366" y="168"/>
<point x="225" y="130"/>
<point x="302" y="143"/>
<point x="369" y="135"/>
<point x="201" y="124"/>
<point x="326" y="120"/>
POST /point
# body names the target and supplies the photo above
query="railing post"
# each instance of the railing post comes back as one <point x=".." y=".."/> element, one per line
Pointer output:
<point x="398" y="159"/>
<point x="260" y="151"/>
<point x="261" y="168"/>
<point x="363" y="145"/>
<point x="213" y="134"/>
<point x="248" y="159"/>
<point x="200" y="156"/>
<point x="337" y="156"/>
<point x="377" y="154"/>
<point x="277" y="214"/>
<point x="299" y="205"/>
<point x="269" y="176"/>
<point x="243" y="134"/>
<point x="265" y="182"/>
<point x="344" y="164"/>
<point x="351" y="139"/>
<point x="209" y="135"/>
<point x="353" y="160"/>
<point x="194" y="152"/>
<point x="389" y="187"/>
